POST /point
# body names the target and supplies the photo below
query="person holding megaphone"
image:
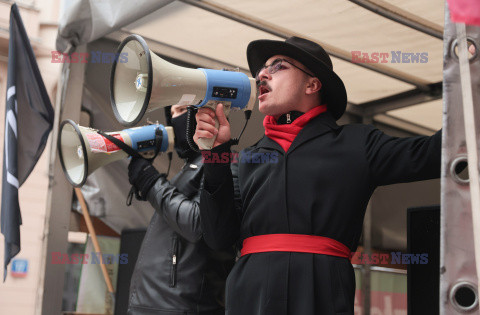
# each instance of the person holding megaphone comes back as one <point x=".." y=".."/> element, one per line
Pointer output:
<point x="176" y="272"/>
<point x="299" y="216"/>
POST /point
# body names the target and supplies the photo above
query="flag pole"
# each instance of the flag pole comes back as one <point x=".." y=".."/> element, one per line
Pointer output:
<point x="91" y="231"/>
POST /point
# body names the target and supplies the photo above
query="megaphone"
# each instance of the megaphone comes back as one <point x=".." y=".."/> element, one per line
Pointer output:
<point x="83" y="150"/>
<point x="141" y="81"/>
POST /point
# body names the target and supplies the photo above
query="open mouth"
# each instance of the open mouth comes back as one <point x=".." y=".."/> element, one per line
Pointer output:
<point x="263" y="90"/>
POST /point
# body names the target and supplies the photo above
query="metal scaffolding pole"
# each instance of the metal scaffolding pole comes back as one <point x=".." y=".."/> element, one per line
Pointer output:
<point x="459" y="193"/>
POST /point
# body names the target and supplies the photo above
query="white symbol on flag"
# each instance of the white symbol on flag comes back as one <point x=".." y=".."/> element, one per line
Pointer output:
<point x="11" y="121"/>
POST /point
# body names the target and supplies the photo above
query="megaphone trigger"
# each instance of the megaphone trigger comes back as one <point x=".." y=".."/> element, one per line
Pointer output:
<point x="207" y="144"/>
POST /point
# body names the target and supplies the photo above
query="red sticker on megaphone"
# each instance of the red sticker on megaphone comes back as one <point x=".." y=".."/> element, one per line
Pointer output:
<point x="98" y="144"/>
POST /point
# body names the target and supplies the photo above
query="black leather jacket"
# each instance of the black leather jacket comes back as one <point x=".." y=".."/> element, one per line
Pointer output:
<point x="176" y="272"/>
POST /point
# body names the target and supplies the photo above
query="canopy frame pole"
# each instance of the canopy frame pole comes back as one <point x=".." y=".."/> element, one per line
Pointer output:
<point x="403" y="17"/>
<point x="279" y="31"/>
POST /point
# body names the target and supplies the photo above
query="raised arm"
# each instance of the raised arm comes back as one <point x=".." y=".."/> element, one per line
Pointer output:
<point x="181" y="213"/>
<point x="219" y="210"/>
<point x="398" y="160"/>
<point x="220" y="203"/>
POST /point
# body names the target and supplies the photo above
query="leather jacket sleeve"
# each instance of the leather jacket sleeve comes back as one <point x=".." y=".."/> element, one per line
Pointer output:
<point x="181" y="213"/>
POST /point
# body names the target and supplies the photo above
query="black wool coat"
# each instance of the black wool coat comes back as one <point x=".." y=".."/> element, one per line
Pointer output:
<point x="321" y="186"/>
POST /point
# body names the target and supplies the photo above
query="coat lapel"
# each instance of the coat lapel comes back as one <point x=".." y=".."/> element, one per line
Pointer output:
<point x="316" y="127"/>
<point x="268" y="143"/>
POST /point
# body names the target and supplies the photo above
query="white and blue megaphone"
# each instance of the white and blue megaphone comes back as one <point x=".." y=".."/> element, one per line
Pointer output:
<point x="82" y="150"/>
<point x="141" y="81"/>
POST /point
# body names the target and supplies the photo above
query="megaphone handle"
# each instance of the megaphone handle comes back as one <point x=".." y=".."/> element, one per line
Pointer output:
<point x="205" y="143"/>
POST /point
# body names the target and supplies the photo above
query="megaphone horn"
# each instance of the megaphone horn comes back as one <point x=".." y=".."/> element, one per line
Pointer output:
<point x="82" y="150"/>
<point x="146" y="82"/>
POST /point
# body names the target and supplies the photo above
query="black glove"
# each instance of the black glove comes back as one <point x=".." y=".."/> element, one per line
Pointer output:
<point x="142" y="175"/>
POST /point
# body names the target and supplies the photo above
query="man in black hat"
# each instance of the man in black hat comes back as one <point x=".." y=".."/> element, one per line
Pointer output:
<point x="176" y="272"/>
<point x="299" y="219"/>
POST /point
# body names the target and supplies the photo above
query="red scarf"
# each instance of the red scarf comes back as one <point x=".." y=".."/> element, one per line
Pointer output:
<point x="286" y="133"/>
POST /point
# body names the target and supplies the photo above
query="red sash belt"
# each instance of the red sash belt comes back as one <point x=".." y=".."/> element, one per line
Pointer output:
<point x="294" y="243"/>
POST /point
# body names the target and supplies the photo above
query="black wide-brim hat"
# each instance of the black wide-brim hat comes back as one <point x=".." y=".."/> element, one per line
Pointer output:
<point x="313" y="57"/>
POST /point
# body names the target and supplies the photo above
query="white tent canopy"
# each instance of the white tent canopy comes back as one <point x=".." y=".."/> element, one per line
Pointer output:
<point x="221" y="33"/>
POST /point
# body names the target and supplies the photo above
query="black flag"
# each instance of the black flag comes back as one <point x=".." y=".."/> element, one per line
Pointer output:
<point x="28" y="121"/>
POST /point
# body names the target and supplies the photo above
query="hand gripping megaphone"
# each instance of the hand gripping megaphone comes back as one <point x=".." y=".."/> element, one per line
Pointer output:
<point x="146" y="82"/>
<point x="82" y="150"/>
